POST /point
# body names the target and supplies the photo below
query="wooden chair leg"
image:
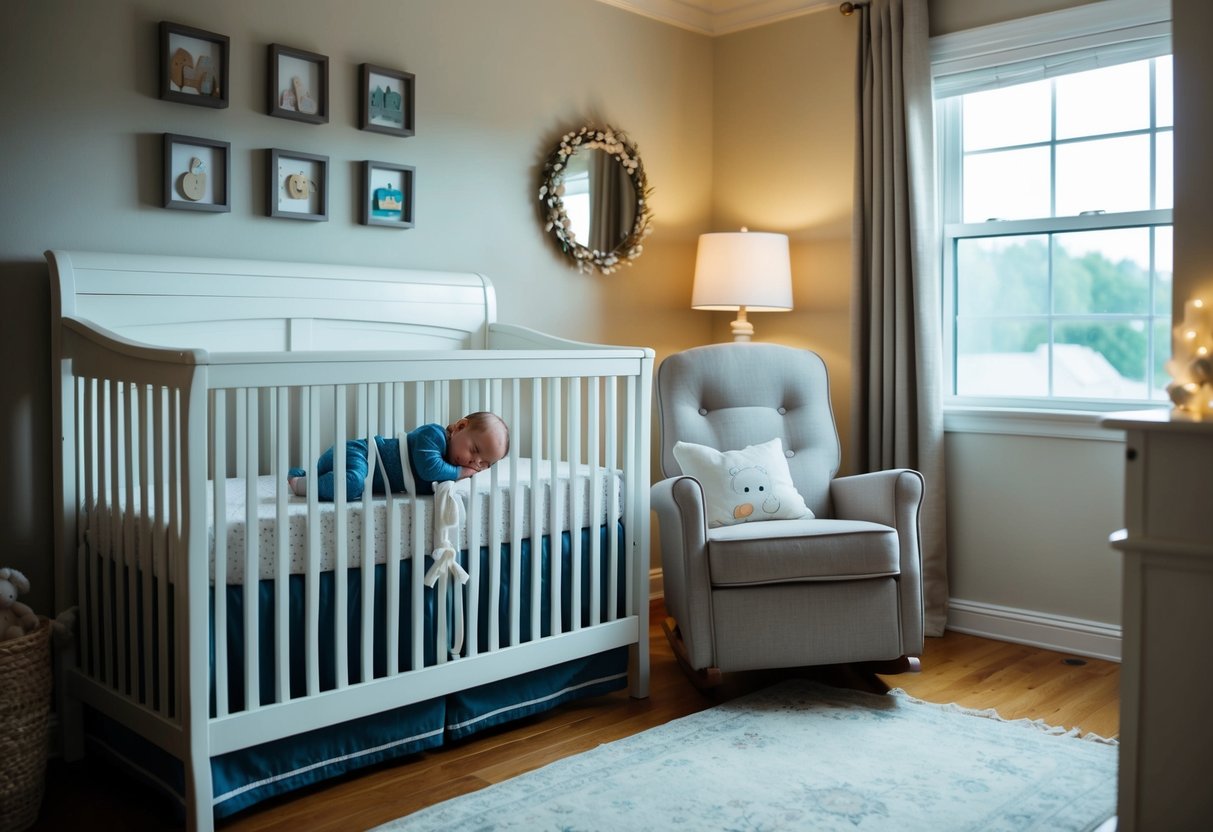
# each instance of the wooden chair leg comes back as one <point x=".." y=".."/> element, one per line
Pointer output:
<point x="902" y="664"/>
<point x="867" y="674"/>
<point x="705" y="679"/>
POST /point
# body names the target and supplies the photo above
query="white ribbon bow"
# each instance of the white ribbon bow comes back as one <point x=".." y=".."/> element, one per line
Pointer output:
<point x="448" y="516"/>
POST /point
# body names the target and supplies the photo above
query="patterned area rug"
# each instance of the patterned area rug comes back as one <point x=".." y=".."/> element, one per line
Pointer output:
<point x="802" y="756"/>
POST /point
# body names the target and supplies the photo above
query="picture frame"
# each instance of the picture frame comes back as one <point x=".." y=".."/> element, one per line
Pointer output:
<point x="388" y="194"/>
<point x="298" y="84"/>
<point x="297" y="185"/>
<point x="197" y="174"/>
<point x="193" y="66"/>
<point x="386" y="100"/>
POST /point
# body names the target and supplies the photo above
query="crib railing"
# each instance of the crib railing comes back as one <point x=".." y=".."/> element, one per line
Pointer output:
<point x="156" y="430"/>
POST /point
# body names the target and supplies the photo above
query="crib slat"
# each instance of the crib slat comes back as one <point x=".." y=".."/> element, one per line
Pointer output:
<point x="592" y="456"/>
<point x="219" y="487"/>
<point x="129" y="525"/>
<point x="515" y="515"/>
<point x="160" y="540"/>
<point x="176" y="545"/>
<point x="341" y="527"/>
<point x="554" y="548"/>
<point x="117" y="551"/>
<point x="629" y="489"/>
<point x="471" y="641"/>
<point x="282" y="650"/>
<point x="88" y="554"/>
<point x="311" y="433"/>
<point x="367" y="562"/>
<point x="106" y="492"/>
<point x="146" y="558"/>
<point x="574" y="432"/>
<point x="391" y="559"/>
<point x="536" y="435"/>
<point x="252" y="554"/>
<point x="417" y="577"/>
<point x="494" y="634"/>
<point x="612" y="463"/>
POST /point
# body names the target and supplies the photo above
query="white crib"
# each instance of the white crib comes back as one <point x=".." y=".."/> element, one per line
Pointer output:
<point x="212" y="621"/>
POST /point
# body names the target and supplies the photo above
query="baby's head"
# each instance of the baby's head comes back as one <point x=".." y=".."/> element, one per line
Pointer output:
<point x="478" y="440"/>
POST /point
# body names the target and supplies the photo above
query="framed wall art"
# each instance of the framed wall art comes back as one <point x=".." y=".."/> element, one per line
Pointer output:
<point x="193" y="65"/>
<point x="298" y="185"/>
<point x="298" y="84"/>
<point x="197" y="174"/>
<point x="385" y="100"/>
<point x="387" y="194"/>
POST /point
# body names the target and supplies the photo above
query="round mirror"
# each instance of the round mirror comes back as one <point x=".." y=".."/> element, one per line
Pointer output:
<point x="596" y="199"/>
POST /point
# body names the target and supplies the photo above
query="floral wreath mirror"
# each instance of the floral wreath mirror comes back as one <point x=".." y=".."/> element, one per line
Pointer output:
<point x="595" y="198"/>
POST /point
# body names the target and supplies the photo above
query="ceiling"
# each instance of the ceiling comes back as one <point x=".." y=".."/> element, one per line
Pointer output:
<point x="720" y="17"/>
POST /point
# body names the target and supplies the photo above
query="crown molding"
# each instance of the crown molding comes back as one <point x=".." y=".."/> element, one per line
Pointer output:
<point x="720" y="17"/>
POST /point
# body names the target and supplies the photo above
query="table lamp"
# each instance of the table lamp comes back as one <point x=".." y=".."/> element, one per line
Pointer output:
<point x="743" y="271"/>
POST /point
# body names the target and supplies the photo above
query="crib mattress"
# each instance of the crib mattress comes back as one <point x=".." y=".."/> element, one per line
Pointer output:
<point x="103" y="523"/>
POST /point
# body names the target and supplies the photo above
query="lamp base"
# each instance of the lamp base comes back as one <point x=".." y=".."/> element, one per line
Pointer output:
<point x="743" y="330"/>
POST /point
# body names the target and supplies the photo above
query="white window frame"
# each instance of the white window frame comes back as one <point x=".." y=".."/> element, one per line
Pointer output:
<point x="1015" y="52"/>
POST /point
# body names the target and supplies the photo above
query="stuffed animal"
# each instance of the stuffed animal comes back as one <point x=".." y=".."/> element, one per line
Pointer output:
<point x="16" y="619"/>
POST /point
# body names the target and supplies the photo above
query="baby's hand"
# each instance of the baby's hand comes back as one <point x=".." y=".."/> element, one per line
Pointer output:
<point x="465" y="471"/>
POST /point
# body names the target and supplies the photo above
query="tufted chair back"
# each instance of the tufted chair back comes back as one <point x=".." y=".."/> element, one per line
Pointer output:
<point x="728" y="396"/>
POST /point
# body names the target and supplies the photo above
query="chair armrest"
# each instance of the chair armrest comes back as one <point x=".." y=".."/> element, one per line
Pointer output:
<point x="893" y="498"/>
<point x="686" y="580"/>
<point x="889" y="497"/>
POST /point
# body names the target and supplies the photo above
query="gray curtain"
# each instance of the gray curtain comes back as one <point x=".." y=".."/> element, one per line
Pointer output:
<point x="897" y="361"/>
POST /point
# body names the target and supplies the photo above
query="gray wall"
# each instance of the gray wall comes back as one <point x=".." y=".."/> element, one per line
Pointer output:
<point x="80" y="167"/>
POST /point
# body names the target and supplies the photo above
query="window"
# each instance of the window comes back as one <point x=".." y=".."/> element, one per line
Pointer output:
<point x="1056" y="189"/>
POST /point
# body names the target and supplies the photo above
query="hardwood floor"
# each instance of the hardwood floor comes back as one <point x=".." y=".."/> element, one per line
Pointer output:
<point x="1016" y="681"/>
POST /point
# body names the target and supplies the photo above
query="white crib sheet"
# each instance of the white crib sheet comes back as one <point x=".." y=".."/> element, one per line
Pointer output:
<point x="102" y="529"/>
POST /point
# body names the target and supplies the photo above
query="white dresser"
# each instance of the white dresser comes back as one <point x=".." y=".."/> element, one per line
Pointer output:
<point x="1166" y="694"/>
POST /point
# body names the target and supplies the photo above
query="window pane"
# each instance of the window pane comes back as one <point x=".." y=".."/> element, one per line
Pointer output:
<point x="1008" y="185"/>
<point x="1164" y="171"/>
<point x="1108" y="175"/>
<point x="1008" y="116"/>
<point x="1100" y="360"/>
<point x="1102" y="271"/>
<point x="1108" y="100"/>
<point x="1002" y="275"/>
<point x="1164" y="114"/>
<point x="1002" y="358"/>
<point x="1162" y="271"/>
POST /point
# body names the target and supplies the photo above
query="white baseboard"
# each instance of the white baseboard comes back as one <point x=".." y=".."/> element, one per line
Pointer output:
<point x="1038" y="629"/>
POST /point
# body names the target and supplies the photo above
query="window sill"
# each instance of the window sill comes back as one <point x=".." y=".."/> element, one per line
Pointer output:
<point x="1013" y="421"/>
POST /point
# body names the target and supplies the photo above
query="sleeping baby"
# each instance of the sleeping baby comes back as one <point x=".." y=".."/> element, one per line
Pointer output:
<point x="436" y="454"/>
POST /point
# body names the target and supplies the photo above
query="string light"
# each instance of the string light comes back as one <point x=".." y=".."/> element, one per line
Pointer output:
<point x="1191" y="390"/>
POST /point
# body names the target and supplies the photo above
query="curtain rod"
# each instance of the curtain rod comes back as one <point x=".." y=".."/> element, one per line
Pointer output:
<point x="848" y="9"/>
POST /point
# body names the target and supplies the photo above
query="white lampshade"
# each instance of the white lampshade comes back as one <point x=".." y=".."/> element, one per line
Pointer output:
<point x="746" y="271"/>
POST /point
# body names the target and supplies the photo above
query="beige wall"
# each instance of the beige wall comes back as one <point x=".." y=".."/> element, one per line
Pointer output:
<point x="784" y="144"/>
<point x="753" y="128"/>
<point x="80" y="127"/>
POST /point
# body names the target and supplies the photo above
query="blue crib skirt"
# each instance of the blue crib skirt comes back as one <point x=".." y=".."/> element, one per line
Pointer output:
<point x="243" y="778"/>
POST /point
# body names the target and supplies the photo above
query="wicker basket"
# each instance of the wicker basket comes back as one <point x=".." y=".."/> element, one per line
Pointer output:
<point x="25" y="699"/>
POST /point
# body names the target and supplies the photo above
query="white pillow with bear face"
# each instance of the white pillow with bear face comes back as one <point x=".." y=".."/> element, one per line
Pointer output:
<point x="743" y="486"/>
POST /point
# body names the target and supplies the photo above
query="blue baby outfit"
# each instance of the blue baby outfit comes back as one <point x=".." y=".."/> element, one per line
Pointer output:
<point x="427" y="452"/>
